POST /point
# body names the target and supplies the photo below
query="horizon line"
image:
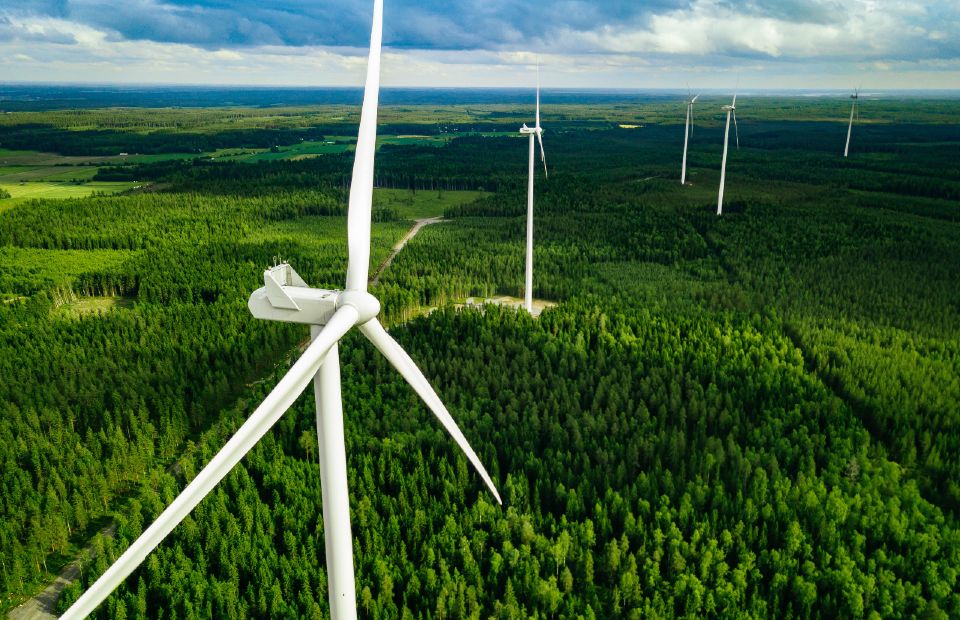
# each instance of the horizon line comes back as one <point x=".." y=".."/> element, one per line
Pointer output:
<point x="359" y="87"/>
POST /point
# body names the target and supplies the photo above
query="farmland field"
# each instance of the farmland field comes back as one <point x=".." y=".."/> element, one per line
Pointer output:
<point x="65" y="189"/>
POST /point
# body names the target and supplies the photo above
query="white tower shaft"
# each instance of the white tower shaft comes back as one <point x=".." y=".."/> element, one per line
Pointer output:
<point x="341" y="588"/>
<point x="846" y="149"/>
<point x="686" y="137"/>
<point x="723" y="165"/>
<point x="528" y="280"/>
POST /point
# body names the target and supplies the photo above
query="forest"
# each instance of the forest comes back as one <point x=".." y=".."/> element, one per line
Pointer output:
<point x="756" y="415"/>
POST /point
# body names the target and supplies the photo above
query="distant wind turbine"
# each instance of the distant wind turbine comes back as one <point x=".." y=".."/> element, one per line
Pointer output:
<point x="853" y="108"/>
<point x="686" y="136"/>
<point x="534" y="132"/>
<point x="330" y="314"/>
<point x="731" y="110"/>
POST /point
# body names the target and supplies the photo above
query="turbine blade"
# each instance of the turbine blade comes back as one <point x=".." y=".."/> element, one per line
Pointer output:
<point x="543" y="154"/>
<point x="695" y="98"/>
<point x="361" y="187"/>
<point x="538" y="95"/>
<point x="267" y="414"/>
<point x="405" y="365"/>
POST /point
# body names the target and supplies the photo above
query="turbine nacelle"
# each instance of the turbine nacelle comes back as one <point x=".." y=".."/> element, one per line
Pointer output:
<point x="286" y="297"/>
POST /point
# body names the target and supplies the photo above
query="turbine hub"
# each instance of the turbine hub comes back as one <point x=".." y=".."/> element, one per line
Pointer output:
<point x="366" y="305"/>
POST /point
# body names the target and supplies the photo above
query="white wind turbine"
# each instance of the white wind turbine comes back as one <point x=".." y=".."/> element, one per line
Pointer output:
<point x="853" y="108"/>
<point x="535" y="132"/>
<point x="686" y="136"/>
<point x="731" y="110"/>
<point x="330" y="314"/>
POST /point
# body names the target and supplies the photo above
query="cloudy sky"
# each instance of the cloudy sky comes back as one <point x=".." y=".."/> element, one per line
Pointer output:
<point x="581" y="43"/>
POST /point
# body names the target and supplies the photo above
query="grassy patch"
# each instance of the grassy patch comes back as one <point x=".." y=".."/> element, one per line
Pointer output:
<point x="21" y="174"/>
<point x="423" y="204"/>
<point x="87" y="306"/>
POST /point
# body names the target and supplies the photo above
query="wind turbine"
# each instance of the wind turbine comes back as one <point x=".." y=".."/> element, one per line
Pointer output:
<point x="686" y="137"/>
<point x="853" y="108"/>
<point x="534" y="132"/>
<point x="330" y="315"/>
<point x="731" y="110"/>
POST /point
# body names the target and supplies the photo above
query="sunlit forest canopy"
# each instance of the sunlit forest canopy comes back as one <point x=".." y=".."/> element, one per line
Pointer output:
<point x="753" y="415"/>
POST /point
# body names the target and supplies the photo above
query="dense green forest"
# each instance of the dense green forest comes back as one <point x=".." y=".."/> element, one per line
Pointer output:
<point x="756" y="415"/>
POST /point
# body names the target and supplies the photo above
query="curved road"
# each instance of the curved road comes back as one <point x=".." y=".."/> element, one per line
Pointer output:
<point x="402" y="243"/>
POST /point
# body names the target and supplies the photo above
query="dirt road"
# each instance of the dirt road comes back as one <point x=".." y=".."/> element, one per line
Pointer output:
<point x="43" y="605"/>
<point x="403" y="242"/>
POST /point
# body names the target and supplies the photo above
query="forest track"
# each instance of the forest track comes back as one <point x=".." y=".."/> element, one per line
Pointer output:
<point x="418" y="225"/>
<point x="44" y="605"/>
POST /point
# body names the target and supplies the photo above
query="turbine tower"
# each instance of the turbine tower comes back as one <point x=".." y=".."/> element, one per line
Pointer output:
<point x="686" y="137"/>
<point x="731" y="110"/>
<point x="535" y="132"/>
<point x="853" y="108"/>
<point x="330" y="315"/>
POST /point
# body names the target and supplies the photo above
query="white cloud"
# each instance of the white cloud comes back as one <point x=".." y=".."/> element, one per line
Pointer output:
<point x="706" y="43"/>
<point x="708" y="27"/>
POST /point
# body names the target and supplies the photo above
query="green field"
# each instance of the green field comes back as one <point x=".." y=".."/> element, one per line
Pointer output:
<point x="21" y="174"/>
<point x="300" y="151"/>
<point x="37" y="189"/>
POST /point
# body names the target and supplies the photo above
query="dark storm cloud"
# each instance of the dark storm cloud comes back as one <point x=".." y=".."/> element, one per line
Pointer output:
<point x="421" y="24"/>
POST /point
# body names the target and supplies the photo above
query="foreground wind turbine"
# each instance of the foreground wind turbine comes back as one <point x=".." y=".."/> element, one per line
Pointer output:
<point x="731" y="110"/>
<point x="537" y="132"/>
<point x="330" y="314"/>
<point x="686" y="137"/>
<point x="853" y="108"/>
